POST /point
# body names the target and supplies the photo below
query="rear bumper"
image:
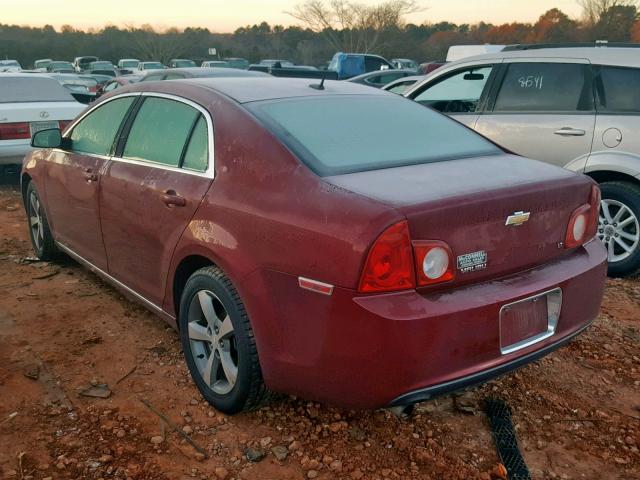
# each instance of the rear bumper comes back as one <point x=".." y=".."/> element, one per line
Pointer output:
<point x="392" y="349"/>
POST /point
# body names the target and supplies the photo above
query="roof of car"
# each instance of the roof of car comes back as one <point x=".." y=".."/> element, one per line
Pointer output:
<point x="213" y="72"/>
<point x="597" y="55"/>
<point x="245" y="89"/>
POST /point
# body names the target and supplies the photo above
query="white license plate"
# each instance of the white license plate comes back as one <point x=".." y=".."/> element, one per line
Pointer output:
<point x="35" y="127"/>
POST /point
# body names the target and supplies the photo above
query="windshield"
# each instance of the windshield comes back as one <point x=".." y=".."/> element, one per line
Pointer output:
<point x="129" y="63"/>
<point x="351" y="133"/>
<point x="32" y="89"/>
<point x="9" y="63"/>
<point x="184" y="63"/>
<point x="152" y="66"/>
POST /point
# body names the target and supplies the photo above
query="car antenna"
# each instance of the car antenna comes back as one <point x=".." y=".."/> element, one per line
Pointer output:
<point x="319" y="86"/>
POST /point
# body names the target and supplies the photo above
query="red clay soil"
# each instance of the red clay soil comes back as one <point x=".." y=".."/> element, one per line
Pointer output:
<point x="576" y="412"/>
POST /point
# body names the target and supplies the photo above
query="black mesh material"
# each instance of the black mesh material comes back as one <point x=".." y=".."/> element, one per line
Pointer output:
<point x="504" y="435"/>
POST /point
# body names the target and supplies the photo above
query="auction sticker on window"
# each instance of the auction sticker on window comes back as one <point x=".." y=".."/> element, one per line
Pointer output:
<point x="471" y="262"/>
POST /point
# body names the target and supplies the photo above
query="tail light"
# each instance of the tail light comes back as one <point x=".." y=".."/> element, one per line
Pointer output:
<point x="63" y="124"/>
<point x="583" y="222"/>
<point x="389" y="265"/>
<point x="14" y="131"/>
<point x="434" y="262"/>
<point x="93" y="88"/>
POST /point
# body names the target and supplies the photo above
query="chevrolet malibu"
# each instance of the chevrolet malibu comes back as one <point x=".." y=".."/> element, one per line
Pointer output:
<point x="331" y="241"/>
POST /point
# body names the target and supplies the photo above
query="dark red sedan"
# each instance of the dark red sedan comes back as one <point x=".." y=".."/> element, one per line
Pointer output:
<point x="337" y="242"/>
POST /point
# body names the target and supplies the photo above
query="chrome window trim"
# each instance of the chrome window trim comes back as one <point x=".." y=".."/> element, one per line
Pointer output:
<point x="208" y="173"/>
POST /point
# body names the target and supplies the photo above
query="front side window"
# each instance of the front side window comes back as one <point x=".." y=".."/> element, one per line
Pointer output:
<point x="545" y="87"/>
<point x="350" y="133"/>
<point x="457" y="93"/>
<point x="160" y="131"/>
<point x="96" y="132"/>
<point x="619" y="90"/>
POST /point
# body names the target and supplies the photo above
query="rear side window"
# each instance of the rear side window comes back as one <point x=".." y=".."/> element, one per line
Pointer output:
<point x="96" y="132"/>
<point x="195" y="157"/>
<point x="160" y="131"/>
<point x="619" y="90"/>
<point x="352" y="133"/>
<point x="545" y="87"/>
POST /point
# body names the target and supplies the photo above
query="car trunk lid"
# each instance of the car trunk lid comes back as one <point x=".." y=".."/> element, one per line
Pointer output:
<point x="466" y="203"/>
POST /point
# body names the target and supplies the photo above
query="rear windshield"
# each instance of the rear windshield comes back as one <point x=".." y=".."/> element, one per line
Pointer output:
<point x="27" y="89"/>
<point x="344" y="134"/>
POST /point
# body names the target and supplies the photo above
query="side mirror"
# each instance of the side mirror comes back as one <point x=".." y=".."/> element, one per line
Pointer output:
<point x="50" y="138"/>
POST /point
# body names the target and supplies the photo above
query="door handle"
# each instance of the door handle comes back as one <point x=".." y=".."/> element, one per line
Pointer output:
<point x="89" y="176"/>
<point x="570" y="132"/>
<point x="172" y="199"/>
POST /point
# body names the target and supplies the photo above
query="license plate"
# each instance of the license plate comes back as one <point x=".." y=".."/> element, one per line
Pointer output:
<point x="35" y="127"/>
<point x="529" y="321"/>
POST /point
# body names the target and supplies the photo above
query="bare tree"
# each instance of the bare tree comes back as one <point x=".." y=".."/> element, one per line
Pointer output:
<point x="594" y="10"/>
<point x="352" y="26"/>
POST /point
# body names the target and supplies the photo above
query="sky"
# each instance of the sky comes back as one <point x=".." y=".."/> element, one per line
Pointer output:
<point x="227" y="15"/>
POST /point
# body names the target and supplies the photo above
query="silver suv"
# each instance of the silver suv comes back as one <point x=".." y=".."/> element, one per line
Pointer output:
<point x="577" y="107"/>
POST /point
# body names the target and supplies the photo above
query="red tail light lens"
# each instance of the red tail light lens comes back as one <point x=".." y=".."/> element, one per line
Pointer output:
<point x="583" y="222"/>
<point x="63" y="124"/>
<point x="434" y="262"/>
<point x="389" y="265"/>
<point x="14" y="131"/>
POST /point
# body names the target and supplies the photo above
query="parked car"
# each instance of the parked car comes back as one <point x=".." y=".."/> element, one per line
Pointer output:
<point x="41" y="65"/>
<point x="105" y="72"/>
<point x="401" y="85"/>
<point x="150" y="66"/>
<point x="101" y="65"/>
<point x="11" y="66"/>
<point x="347" y="65"/>
<point x="379" y="79"/>
<point x="181" y="63"/>
<point x="575" y="107"/>
<point x="82" y="63"/>
<point x="428" y="67"/>
<point x="60" y="66"/>
<point x="215" y="63"/>
<point x="128" y="63"/>
<point x="239" y="63"/>
<point x="100" y="78"/>
<point x="198" y="72"/>
<point x="406" y="257"/>
<point x="405" y="63"/>
<point x="82" y="87"/>
<point x="118" y="82"/>
<point x="277" y="63"/>
<point x="30" y="103"/>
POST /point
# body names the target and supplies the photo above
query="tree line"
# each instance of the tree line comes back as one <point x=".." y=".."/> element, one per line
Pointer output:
<point x="339" y="25"/>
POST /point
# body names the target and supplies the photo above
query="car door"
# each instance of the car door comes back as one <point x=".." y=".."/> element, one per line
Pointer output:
<point x="542" y="109"/>
<point x="460" y="93"/>
<point x="152" y="187"/>
<point x="72" y="180"/>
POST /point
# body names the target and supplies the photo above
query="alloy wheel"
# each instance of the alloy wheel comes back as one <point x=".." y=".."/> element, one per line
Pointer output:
<point x="35" y="220"/>
<point x="618" y="229"/>
<point x="213" y="342"/>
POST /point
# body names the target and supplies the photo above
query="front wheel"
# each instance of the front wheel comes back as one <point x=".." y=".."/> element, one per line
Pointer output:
<point x="619" y="226"/>
<point x="218" y="343"/>
<point x="39" y="231"/>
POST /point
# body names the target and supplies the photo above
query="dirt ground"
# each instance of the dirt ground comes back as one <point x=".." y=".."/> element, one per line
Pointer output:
<point x="576" y="412"/>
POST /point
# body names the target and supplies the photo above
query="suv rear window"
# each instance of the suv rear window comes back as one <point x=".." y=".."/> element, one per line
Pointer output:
<point x="36" y="89"/>
<point x="619" y="90"/>
<point x="545" y="87"/>
<point x="351" y="133"/>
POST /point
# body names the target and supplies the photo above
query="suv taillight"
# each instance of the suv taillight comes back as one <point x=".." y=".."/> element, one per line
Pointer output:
<point x="14" y="131"/>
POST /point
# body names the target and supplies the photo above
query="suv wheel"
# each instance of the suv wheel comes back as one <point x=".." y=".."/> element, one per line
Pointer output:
<point x="218" y="343"/>
<point x="619" y="226"/>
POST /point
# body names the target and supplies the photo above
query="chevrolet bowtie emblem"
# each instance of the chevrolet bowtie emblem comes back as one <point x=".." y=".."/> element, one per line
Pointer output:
<point x="517" y="218"/>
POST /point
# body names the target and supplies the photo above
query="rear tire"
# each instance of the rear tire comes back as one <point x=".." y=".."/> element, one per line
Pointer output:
<point x="619" y="227"/>
<point x="218" y="343"/>
<point x="39" y="232"/>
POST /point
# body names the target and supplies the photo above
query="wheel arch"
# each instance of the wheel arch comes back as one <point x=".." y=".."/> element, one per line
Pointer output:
<point x="25" y="179"/>
<point x="601" y="176"/>
<point x="186" y="267"/>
